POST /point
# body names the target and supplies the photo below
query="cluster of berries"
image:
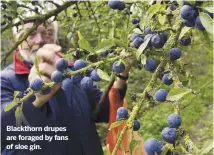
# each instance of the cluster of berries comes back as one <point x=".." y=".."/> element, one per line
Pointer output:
<point x="153" y="146"/>
<point x="122" y="114"/>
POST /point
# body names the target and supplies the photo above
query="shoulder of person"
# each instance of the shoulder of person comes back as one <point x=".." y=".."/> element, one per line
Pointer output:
<point x="8" y="71"/>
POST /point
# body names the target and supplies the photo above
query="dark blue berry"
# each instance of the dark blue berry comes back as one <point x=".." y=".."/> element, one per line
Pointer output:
<point x="135" y="20"/>
<point x="57" y="76"/>
<point x="185" y="40"/>
<point x="118" y="67"/>
<point x="136" y="125"/>
<point x="87" y="83"/>
<point x="79" y="64"/>
<point x="174" y="120"/>
<point x="148" y="30"/>
<point x="61" y="64"/>
<point x="135" y="35"/>
<point x="150" y="65"/>
<point x="172" y="7"/>
<point x="152" y="146"/>
<point x="169" y="135"/>
<point x="121" y="6"/>
<point x="88" y="71"/>
<point x="166" y="80"/>
<point x="95" y="76"/>
<point x="198" y="24"/>
<point x="188" y="12"/>
<point x="105" y="53"/>
<point x="157" y="41"/>
<point x="115" y="4"/>
<point x="74" y="14"/>
<point x="188" y="23"/>
<point x="175" y="53"/>
<point x="163" y="35"/>
<point x="137" y="42"/>
<point x="160" y="95"/>
<point x="67" y="84"/>
<point x="36" y="84"/>
<point x="122" y="113"/>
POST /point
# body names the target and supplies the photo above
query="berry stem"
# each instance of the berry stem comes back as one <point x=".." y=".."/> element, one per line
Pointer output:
<point x="96" y="64"/>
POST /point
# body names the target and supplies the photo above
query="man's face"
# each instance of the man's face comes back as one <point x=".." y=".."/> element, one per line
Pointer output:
<point x="42" y="35"/>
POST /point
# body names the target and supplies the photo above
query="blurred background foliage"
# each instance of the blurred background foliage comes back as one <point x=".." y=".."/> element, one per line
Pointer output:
<point x="97" y="22"/>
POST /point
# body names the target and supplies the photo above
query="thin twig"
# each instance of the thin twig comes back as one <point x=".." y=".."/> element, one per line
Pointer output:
<point x="78" y="10"/>
<point x="204" y="86"/>
<point x="40" y="18"/>
<point x="93" y="13"/>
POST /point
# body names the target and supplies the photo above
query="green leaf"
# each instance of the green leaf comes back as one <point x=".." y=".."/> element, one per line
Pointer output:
<point x="84" y="44"/>
<point x="118" y="62"/>
<point x="105" y="44"/>
<point x="180" y="3"/>
<point x="133" y="144"/>
<point x="13" y="103"/>
<point x="69" y="35"/>
<point x="103" y="75"/>
<point x="15" y="94"/>
<point x="18" y="116"/>
<point x="116" y="124"/>
<point x="142" y="47"/>
<point x="207" y="39"/>
<point x="106" y="151"/>
<point x="124" y="36"/>
<point x="192" y="2"/>
<point x="208" y="148"/>
<point x="23" y="118"/>
<point x="9" y="106"/>
<point x="184" y="31"/>
<point x="162" y="19"/>
<point x="209" y="9"/>
<point x="111" y="33"/>
<point x="177" y="93"/>
<point x="206" y="21"/>
<point x="13" y="5"/>
<point x="143" y="59"/>
<point x="119" y="43"/>
<point x="154" y="9"/>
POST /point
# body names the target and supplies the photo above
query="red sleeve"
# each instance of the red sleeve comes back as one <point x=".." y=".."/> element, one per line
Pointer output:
<point x="115" y="102"/>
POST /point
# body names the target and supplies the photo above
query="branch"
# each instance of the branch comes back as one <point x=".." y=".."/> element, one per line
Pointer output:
<point x="51" y="84"/>
<point x="93" y="15"/>
<point x="96" y="64"/>
<point x="56" y="5"/>
<point x="122" y="133"/>
<point x="41" y="18"/>
<point x="24" y="6"/>
<point x="78" y="10"/>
